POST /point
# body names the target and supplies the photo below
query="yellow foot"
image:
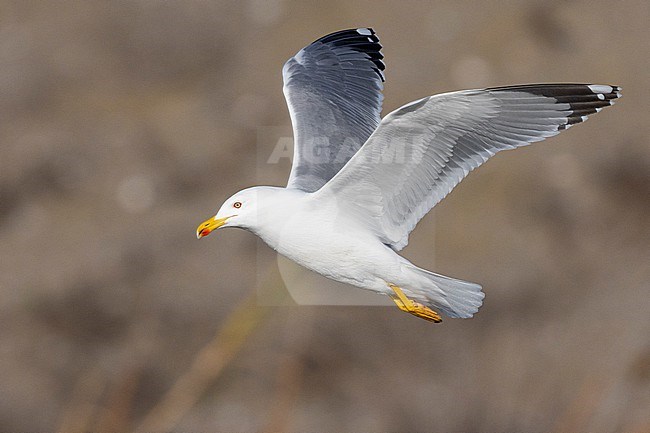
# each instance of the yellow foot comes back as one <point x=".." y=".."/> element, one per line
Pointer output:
<point x="415" y="308"/>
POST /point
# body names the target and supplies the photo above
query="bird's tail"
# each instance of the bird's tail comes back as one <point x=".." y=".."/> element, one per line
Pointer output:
<point x="455" y="298"/>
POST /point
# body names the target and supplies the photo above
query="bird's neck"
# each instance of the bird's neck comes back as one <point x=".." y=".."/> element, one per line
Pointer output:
<point x="276" y="209"/>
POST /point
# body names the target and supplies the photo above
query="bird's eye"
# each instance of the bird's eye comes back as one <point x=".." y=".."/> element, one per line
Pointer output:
<point x="237" y="204"/>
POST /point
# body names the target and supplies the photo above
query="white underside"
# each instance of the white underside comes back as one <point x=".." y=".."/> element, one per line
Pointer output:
<point x="314" y="234"/>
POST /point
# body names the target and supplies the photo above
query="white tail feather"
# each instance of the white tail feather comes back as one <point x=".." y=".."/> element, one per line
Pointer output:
<point x="455" y="298"/>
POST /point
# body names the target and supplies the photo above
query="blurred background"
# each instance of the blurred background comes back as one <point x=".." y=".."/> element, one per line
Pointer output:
<point x="125" y="124"/>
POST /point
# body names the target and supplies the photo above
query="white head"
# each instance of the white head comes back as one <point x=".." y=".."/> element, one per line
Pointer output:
<point x="240" y="210"/>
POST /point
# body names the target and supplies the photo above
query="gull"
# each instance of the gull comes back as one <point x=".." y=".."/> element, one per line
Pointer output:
<point x="359" y="184"/>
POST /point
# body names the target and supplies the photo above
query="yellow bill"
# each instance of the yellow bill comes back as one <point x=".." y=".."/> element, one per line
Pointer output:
<point x="209" y="226"/>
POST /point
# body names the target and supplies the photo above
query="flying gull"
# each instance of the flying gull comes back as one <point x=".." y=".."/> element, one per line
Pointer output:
<point x="359" y="184"/>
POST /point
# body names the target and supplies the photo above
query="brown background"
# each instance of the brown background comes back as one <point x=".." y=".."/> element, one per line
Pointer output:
<point x="125" y="124"/>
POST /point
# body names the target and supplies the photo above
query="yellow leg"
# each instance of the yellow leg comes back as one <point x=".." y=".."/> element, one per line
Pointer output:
<point x="410" y="306"/>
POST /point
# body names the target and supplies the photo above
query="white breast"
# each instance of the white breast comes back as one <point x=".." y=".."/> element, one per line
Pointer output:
<point x="318" y="237"/>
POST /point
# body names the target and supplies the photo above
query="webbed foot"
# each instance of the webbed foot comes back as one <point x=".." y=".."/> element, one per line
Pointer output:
<point x="412" y="307"/>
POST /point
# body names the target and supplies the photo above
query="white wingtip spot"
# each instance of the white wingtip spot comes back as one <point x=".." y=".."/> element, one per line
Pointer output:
<point x="600" y="88"/>
<point x="601" y="96"/>
<point x="365" y="32"/>
<point x="599" y="109"/>
<point x="584" y="118"/>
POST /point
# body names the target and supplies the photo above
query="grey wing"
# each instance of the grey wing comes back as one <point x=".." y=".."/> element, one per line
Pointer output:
<point x="421" y="151"/>
<point x="333" y="91"/>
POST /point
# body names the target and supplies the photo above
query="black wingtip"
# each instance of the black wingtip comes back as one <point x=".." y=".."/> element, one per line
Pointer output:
<point x="587" y="99"/>
<point x="583" y="99"/>
<point x="362" y="39"/>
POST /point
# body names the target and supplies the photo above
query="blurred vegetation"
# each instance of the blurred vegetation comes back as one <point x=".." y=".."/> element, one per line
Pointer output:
<point x="125" y="124"/>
